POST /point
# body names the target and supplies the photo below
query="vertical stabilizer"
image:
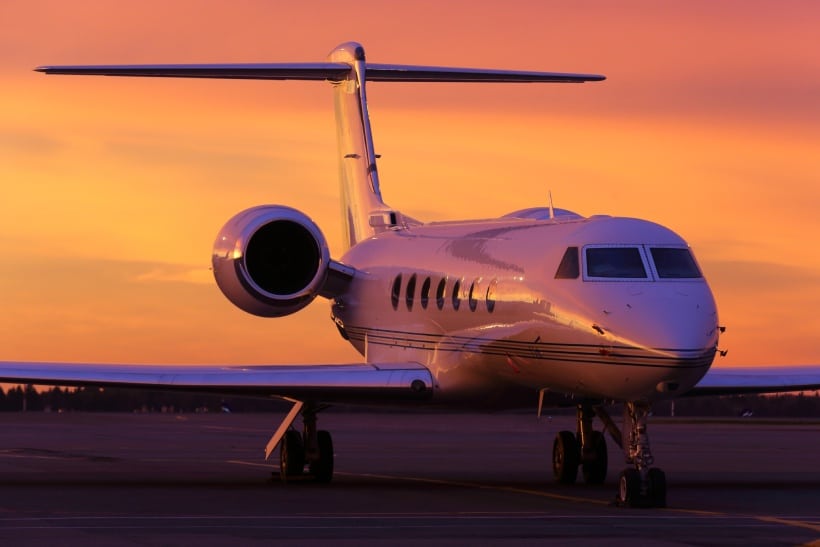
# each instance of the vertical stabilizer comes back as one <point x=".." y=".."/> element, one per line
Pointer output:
<point x="362" y="205"/>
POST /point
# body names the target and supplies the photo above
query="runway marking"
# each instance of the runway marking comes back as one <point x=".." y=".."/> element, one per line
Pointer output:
<point x="798" y="522"/>
<point x="552" y="495"/>
<point x="791" y="522"/>
<point x="443" y="482"/>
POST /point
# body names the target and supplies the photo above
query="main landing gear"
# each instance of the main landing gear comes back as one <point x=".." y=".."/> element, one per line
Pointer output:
<point x="312" y="447"/>
<point x="586" y="449"/>
<point x="639" y="485"/>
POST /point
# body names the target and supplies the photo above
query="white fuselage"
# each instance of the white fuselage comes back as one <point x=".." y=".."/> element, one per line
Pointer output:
<point x="479" y="304"/>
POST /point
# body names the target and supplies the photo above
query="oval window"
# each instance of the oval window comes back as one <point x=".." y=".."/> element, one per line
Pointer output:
<point x="474" y="290"/>
<point x="456" y="294"/>
<point x="395" y="292"/>
<point x="440" y="293"/>
<point x="491" y="290"/>
<point x="411" y="291"/>
<point x="425" y="293"/>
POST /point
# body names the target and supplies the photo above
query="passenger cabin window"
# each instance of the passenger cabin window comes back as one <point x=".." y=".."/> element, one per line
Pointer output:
<point x="615" y="263"/>
<point x="425" y="293"/>
<point x="440" y="293"/>
<point x="395" y="292"/>
<point x="569" y="267"/>
<point x="471" y="299"/>
<point x="411" y="291"/>
<point x="674" y="263"/>
<point x="457" y="294"/>
<point x="491" y="290"/>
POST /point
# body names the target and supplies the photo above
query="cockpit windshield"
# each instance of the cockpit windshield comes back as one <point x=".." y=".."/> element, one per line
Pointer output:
<point x="615" y="262"/>
<point x="674" y="263"/>
<point x="628" y="263"/>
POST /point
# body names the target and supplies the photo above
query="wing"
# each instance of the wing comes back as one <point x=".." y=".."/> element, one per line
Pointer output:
<point x="771" y="379"/>
<point x="354" y="383"/>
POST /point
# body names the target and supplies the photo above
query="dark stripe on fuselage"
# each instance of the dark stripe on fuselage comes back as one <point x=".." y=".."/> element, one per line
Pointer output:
<point x="543" y="351"/>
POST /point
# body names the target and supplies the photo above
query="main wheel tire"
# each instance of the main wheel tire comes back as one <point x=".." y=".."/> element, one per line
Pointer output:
<point x="629" y="488"/>
<point x="565" y="457"/>
<point x="322" y="468"/>
<point x="657" y="487"/>
<point x="595" y="460"/>
<point x="291" y="455"/>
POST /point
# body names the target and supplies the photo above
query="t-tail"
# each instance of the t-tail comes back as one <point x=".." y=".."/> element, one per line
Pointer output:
<point x="363" y="209"/>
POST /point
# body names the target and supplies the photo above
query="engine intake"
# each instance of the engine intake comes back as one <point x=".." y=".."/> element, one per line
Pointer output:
<point x="270" y="260"/>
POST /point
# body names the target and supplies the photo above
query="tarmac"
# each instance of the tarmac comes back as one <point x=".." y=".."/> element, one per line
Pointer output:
<point x="401" y="479"/>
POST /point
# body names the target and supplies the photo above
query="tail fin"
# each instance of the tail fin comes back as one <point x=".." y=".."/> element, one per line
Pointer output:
<point x="364" y="212"/>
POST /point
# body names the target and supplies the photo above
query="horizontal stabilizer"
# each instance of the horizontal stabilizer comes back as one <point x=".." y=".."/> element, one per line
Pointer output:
<point x="321" y="71"/>
<point x="247" y="71"/>
<point x="403" y="73"/>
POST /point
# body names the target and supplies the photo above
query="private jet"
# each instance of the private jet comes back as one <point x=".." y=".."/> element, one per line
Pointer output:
<point x="536" y="308"/>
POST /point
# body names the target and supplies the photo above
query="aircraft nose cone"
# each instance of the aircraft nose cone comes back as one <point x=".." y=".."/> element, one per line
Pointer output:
<point x="679" y="317"/>
<point x="679" y="322"/>
<point x="671" y="327"/>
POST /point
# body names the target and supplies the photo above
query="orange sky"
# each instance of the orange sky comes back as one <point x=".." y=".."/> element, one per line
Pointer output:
<point x="112" y="190"/>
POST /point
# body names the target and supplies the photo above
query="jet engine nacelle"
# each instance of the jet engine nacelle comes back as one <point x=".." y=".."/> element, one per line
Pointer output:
<point x="270" y="260"/>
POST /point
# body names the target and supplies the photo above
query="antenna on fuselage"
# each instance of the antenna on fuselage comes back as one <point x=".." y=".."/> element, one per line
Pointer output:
<point x="552" y="209"/>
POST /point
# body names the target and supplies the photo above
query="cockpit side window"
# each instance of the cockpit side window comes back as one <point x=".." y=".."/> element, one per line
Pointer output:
<point x="615" y="263"/>
<point x="569" y="267"/>
<point x="674" y="263"/>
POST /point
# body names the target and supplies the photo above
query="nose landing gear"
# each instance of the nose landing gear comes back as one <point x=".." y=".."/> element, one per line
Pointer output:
<point x="640" y="485"/>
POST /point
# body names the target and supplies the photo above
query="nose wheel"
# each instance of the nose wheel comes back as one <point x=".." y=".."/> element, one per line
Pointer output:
<point x="631" y="486"/>
<point x="640" y="485"/>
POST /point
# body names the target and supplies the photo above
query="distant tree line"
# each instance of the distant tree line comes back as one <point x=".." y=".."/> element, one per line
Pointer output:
<point x="95" y="399"/>
<point x="787" y="405"/>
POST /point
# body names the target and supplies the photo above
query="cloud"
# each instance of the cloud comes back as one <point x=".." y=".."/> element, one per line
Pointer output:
<point x="756" y="277"/>
<point x="21" y="141"/>
<point x="175" y="273"/>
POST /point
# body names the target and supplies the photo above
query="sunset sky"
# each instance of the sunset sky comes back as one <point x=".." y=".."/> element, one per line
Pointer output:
<point x="113" y="189"/>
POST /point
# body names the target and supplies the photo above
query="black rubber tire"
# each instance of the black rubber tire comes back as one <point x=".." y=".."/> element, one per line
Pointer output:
<point x="629" y="488"/>
<point x="657" y="487"/>
<point x="291" y="455"/>
<point x="322" y="468"/>
<point x="595" y="460"/>
<point x="565" y="457"/>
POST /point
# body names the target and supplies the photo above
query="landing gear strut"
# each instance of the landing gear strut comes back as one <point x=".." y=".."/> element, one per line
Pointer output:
<point x="640" y="485"/>
<point x="312" y="447"/>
